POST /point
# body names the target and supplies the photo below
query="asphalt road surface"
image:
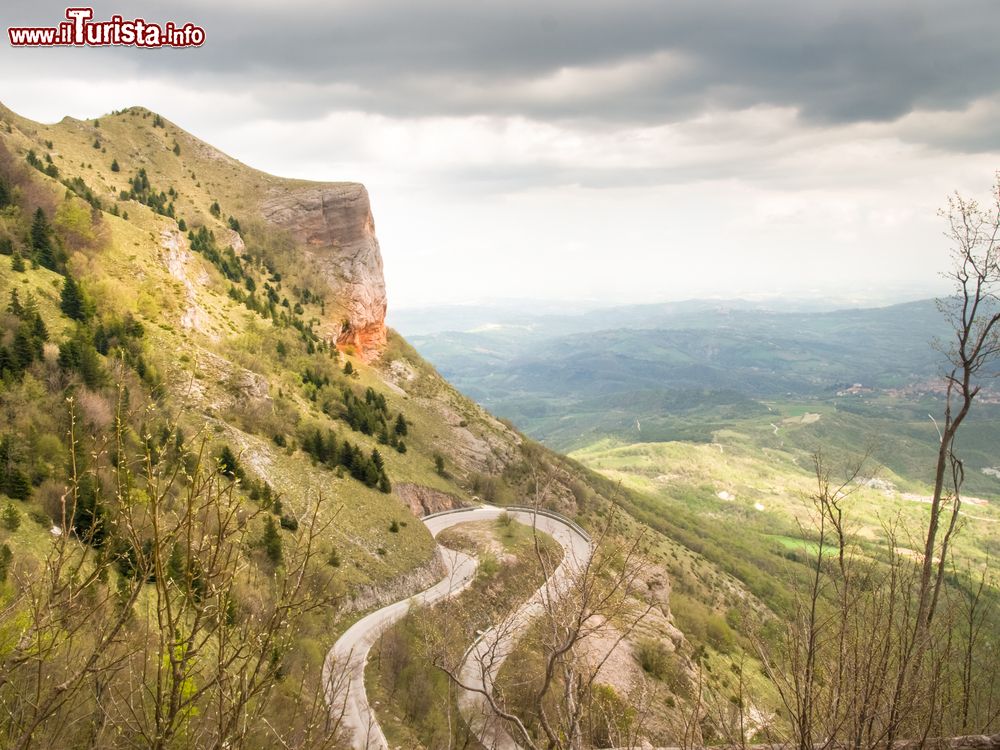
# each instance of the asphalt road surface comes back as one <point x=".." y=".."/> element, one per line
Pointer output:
<point x="345" y="662"/>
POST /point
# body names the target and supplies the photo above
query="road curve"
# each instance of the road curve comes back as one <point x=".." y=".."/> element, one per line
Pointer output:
<point x="345" y="662"/>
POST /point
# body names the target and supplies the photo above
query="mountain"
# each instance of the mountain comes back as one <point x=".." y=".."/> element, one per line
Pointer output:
<point x="214" y="454"/>
<point x="175" y="319"/>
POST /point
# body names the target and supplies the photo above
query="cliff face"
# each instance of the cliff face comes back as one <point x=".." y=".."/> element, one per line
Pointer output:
<point x="333" y="224"/>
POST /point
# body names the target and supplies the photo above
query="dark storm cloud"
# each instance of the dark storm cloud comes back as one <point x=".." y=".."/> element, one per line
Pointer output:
<point x="834" y="62"/>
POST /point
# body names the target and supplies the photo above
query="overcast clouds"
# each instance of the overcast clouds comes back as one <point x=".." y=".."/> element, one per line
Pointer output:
<point x="626" y="150"/>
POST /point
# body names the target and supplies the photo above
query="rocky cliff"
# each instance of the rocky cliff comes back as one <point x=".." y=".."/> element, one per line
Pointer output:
<point x="333" y="224"/>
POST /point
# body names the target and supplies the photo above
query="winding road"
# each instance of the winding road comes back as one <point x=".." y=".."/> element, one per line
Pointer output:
<point x="344" y="668"/>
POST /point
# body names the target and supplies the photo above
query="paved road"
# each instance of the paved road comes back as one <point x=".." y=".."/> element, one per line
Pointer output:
<point x="346" y="660"/>
<point x="487" y="655"/>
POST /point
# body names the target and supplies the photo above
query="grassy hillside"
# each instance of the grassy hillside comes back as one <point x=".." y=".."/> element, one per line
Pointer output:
<point x="179" y="427"/>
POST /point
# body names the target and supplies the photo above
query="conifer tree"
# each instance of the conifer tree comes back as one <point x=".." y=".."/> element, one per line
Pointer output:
<point x="71" y="302"/>
<point x="41" y="241"/>
<point x="230" y="466"/>
<point x="6" y="557"/>
<point x="272" y="541"/>
<point x="401" y="427"/>
<point x="23" y="350"/>
<point x="14" y="306"/>
<point x="11" y="518"/>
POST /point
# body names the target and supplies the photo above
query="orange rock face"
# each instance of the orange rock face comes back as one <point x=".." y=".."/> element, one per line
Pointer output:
<point x="368" y="341"/>
<point x="333" y="224"/>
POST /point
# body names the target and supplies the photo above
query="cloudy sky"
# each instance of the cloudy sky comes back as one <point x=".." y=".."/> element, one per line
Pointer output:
<point x="622" y="150"/>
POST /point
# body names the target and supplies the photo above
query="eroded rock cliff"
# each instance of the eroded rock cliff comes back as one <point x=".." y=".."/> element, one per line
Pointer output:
<point x="333" y="224"/>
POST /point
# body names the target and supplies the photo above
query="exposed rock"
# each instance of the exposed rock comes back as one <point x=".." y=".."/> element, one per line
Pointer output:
<point x="333" y="223"/>
<point x="424" y="500"/>
<point x="177" y="257"/>
<point x="418" y="579"/>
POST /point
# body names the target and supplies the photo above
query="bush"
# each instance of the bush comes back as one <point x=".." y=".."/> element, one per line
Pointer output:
<point x="653" y="657"/>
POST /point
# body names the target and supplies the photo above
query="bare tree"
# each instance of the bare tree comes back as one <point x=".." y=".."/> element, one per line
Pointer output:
<point x="869" y="654"/>
<point x="154" y="622"/>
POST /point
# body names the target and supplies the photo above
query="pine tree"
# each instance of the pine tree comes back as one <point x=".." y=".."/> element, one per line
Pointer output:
<point x="401" y="427"/>
<point x="38" y="330"/>
<point x="14" y="306"/>
<point x="41" y="242"/>
<point x="114" y="166"/>
<point x="348" y="368"/>
<point x="72" y="300"/>
<point x="6" y="557"/>
<point x="272" y="541"/>
<point x="227" y="461"/>
<point x="23" y="350"/>
<point x="11" y="518"/>
<point x="4" y="194"/>
<point x="17" y="263"/>
<point x="16" y="484"/>
<point x="175" y="564"/>
<point x="384" y="485"/>
<point x="378" y="461"/>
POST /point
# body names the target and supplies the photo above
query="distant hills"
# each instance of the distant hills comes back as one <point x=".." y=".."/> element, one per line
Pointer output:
<point x="683" y="371"/>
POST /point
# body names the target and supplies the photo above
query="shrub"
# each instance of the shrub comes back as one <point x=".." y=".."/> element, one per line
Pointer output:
<point x="653" y="657"/>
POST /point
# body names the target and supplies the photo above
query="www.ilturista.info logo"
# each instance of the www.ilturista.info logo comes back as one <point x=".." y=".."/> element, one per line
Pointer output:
<point x="79" y="30"/>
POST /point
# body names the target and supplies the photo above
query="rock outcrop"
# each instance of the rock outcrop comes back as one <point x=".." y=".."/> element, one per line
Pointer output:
<point x="424" y="500"/>
<point x="333" y="224"/>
